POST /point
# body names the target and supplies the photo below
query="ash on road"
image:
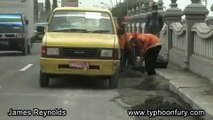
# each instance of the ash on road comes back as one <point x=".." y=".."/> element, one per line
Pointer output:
<point x="141" y="92"/>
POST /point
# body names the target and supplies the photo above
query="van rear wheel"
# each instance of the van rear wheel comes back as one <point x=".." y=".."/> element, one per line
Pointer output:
<point x="28" y="49"/>
<point x="24" y="51"/>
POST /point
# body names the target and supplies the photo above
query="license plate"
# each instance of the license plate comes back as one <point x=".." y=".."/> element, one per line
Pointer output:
<point x="4" y="42"/>
<point x="79" y="65"/>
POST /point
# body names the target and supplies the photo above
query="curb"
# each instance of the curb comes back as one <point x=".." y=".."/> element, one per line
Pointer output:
<point x="185" y="98"/>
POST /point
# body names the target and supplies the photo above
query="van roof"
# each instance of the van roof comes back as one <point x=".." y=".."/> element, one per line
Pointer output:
<point x="82" y="9"/>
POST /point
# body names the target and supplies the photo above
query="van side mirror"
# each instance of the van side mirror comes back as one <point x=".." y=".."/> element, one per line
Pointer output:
<point x="27" y="22"/>
<point x="40" y="29"/>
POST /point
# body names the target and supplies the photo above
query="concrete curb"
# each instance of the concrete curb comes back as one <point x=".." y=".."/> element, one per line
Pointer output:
<point x="195" y="104"/>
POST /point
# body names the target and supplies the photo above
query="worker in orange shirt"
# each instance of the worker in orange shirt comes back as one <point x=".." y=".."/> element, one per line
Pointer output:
<point x="127" y="54"/>
<point x="150" y="47"/>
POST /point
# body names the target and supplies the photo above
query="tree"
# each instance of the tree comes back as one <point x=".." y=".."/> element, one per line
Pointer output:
<point x="35" y="10"/>
<point x="47" y="6"/>
<point x="55" y="5"/>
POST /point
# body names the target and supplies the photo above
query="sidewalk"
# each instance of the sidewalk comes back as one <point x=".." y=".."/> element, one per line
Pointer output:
<point x="193" y="89"/>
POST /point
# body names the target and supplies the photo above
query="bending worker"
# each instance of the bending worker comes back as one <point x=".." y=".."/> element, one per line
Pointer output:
<point x="129" y="50"/>
<point x="150" y="48"/>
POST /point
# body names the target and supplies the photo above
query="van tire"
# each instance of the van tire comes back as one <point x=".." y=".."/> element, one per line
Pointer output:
<point x="43" y="80"/>
<point x="24" y="50"/>
<point x="113" y="82"/>
<point x="28" y="49"/>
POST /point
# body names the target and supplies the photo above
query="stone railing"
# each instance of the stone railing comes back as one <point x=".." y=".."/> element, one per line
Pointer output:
<point x="201" y="61"/>
<point x="187" y="43"/>
<point x="178" y="36"/>
<point x="203" y="40"/>
<point x="164" y="42"/>
<point x="136" y="27"/>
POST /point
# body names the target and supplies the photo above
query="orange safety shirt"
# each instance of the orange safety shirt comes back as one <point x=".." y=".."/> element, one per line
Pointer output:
<point x="147" y="40"/>
<point x="128" y="38"/>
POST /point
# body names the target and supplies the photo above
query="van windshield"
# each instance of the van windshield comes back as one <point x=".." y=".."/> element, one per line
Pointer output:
<point x="11" y="23"/>
<point x="78" y="21"/>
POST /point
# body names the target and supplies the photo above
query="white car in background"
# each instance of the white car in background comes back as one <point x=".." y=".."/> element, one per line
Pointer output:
<point x="37" y="35"/>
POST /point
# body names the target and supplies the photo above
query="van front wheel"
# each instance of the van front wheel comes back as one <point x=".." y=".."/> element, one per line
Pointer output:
<point x="24" y="50"/>
<point x="44" y="79"/>
<point x="113" y="82"/>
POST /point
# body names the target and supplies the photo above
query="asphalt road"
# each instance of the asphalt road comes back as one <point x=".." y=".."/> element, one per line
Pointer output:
<point x="77" y="98"/>
<point x="83" y="99"/>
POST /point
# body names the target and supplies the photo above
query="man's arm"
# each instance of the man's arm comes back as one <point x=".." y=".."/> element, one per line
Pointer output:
<point x="144" y="45"/>
<point x="161" y="21"/>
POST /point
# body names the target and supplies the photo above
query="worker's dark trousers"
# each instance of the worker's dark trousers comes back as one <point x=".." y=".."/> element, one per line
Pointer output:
<point x="129" y="57"/>
<point x="150" y="58"/>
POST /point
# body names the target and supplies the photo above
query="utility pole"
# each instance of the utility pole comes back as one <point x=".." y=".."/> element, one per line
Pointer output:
<point x="111" y="3"/>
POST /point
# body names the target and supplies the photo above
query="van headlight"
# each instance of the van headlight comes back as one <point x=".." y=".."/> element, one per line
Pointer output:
<point x="106" y="53"/>
<point x="52" y="51"/>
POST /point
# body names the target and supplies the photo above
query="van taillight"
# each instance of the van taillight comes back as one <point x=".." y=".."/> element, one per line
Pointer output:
<point x="43" y="51"/>
<point x="115" y="54"/>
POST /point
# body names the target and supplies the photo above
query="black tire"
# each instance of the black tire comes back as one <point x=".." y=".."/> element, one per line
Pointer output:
<point x="44" y="80"/>
<point x="28" y="49"/>
<point x="113" y="82"/>
<point x="24" y="50"/>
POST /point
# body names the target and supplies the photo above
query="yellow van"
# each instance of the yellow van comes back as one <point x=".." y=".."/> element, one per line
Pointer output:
<point x="80" y="41"/>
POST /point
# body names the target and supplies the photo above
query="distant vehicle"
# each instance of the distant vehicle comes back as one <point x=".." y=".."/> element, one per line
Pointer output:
<point x="80" y="41"/>
<point x="24" y="7"/>
<point x="38" y="35"/>
<point x="13" y="33"/>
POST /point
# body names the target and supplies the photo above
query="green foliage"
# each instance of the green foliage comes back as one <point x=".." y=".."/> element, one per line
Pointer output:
<point x="120" y="10"/>
<point x="35" y="10"/>
<point x="47" y="6"/>
<point x="55" y="5"/>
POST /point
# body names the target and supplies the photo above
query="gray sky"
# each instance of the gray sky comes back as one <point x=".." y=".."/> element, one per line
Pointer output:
<point x="181" y="3"/>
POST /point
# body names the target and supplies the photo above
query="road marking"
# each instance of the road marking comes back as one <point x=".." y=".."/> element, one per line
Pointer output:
<point x="26" y="67"/>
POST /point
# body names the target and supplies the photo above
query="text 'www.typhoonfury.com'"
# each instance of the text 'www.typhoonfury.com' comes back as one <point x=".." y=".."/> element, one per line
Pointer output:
<point x="158" y="112"/>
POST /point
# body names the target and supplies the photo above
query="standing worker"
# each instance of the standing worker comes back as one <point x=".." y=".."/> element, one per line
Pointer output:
<point x="154" y="21"/>
<point x="150" y="48"/>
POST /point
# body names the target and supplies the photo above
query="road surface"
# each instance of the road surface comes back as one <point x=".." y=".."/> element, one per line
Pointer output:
<point x="72" y="98"/>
